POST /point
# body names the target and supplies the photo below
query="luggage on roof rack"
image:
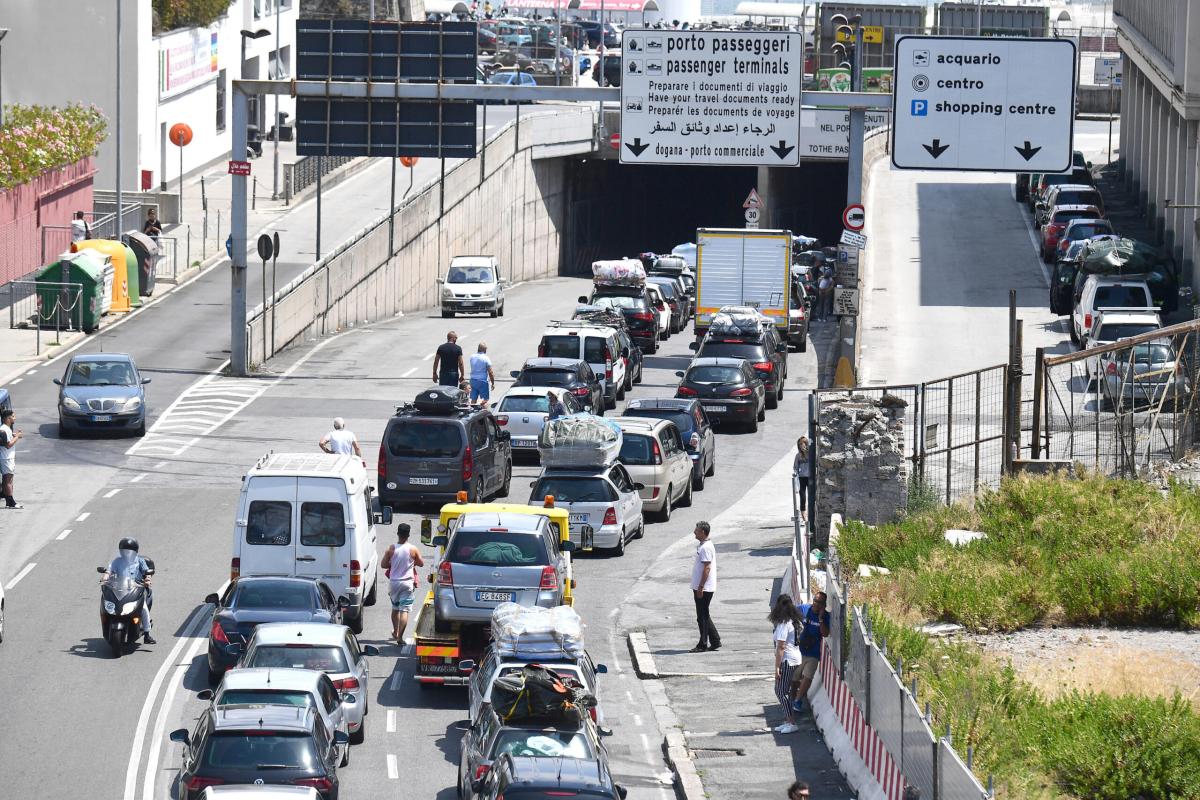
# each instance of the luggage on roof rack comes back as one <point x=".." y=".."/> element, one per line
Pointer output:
<point x="599" y="316"/>
<point x="580" y="440"/>
<point x="619" y="272"/>
<point x="440" y="400"/>
<point x="534" y="633"/>
<point x="672" y="264"/>
<point x="737" y="323"/>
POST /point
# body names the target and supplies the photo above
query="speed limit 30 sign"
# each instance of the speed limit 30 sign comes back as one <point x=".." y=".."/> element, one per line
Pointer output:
<point x="854" y="218"/>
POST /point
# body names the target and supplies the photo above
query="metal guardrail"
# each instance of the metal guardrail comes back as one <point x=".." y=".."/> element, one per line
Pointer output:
<point x="27" y="301"/>
<point x="303" y="173"/>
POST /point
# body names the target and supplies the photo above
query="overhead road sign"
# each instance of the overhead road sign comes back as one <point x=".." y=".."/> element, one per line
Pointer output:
<point x="825" y="132"/>
<point x="983" y="104"/>
<point x="729" y="98"/>
<point x="854" y="218"/>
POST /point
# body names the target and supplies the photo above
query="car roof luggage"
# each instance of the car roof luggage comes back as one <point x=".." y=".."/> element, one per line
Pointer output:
<point x="579" y="441"/>
<point x="619" y="272"/>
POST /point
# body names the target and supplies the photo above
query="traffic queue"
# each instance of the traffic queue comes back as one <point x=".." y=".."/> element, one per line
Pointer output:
<point x="288" y="675"/>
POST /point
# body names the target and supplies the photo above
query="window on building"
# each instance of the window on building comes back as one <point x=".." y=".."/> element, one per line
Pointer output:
<point x="279" y="63"/>
<point x="221" y="100"/>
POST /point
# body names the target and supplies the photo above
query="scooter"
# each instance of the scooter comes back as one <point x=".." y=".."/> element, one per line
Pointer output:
<point x="122" y="604"/>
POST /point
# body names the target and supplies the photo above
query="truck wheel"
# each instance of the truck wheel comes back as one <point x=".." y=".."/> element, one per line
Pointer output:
<point x="356" y="622"/>
<point x="370" y="600"/>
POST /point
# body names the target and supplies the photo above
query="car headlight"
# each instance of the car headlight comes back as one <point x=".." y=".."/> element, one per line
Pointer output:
<point x="447" y="293"/>
<point x="71" y="403"/>
<point x="133" y="404"/>
<point x="110" y="607"/>
<point x="487" y="292"/>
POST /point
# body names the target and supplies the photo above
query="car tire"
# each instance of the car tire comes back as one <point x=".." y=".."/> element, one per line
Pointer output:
<point x="373" y="595"/>
<point x="345" y="762"/>
<point x="447" y="314"/>
<point x="698" y="479"/>
<point x="504" y="489"/>
<point x="360" y="735"/>
<point x="772" y="400"/>
<point x="63" y="431"/>
<point x="1074" y="335"/>
<point x="712" y="466"/>
<point x="502" y="309"/>
<point x="663" y="336"/>
<point x="1" y="620"/>
<point x="665" y="514"/>
<point x="638" y="379"/>
<point x="141" y="430"/>
<point x="762" y="413"/>
<point x="620" y="392"/>
<point x="685" y="500"/>
<point x="214" y="677"/>
<point x="641" y="531"/>
<point x="355" y="623"/>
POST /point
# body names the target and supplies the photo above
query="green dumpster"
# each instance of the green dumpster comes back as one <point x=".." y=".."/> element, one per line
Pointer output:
<point x="131" y="272"/>
<point x="57" y="306"/>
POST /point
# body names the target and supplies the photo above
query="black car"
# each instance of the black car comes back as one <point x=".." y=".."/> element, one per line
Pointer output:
<point x="259" y="744"/>
<point x="566" y="373"/>
<point x="729" y="390"/>
<point x="251" y="601"/>
<point x="763" y="349"/>
<point x="672" y="292"/>
<point x="635" y="306"/>
<point x="532" y="778"/>
<point x="693" y="423"/>
<point x="625" y="342"/>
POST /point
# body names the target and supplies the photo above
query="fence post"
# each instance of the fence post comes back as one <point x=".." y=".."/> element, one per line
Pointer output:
<point x="1039" y="388"/>
<point x="978" y="421"/>
<point x="949" y="439"/>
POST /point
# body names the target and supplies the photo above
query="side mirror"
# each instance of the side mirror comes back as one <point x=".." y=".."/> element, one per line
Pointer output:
<point x="340" y="737"/>
<point x="781" y="347"/>
<point x="146" y="380"/>
<point x="639" y="486"/>
<point x="233" y="649"/>
<point x="601" y="669"/>
<point x="477" y="786"/>
<point x="181" y="736"/>
<point x="532" y="484"/>
<point x="204" y="694"/>
<point x="516" y="373"/>
<point x="604" y="730"/>
<point x="212" y="598"/>
<point x="441" y="540"/>
<point x="582" y="301"/>
<point x="678" y="373"/>
<point x="466" y="665"/>
<point x="348" y="699"/>
<point x="693" y="345"/>
<point x="440" y="281"/>
<point x="57" y="381"/>
<point x="1088" y="164"/>
<point x="101" y="570"/>
<point x="343" y="602"/>
<point x="621" y="790"/>
<point x="463" y="725"/>
<point x="426" y="531"/>
<point x="370" y="650"/>
<point x="567" y="547"/>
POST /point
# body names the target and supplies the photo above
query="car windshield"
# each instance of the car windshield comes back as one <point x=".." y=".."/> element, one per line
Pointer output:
<point x="469" y="275"/>
<point x="258" y="750"/>
<point x="1067" y="216"/>
<point x="538" y="404"/>
<point x="1088" y="231"/>
<point x="288" y="595"/>
<point x="1123" y="330"/>
<point x="326" y="658"/>
<point x="733" y="349"/>
<point x="497" y="549"/>
<point x="270" y="697"/>
<point x="620" y="302"/>
<point x="545" y="377"/>
<point x="637" y="451"/>
<point x="574" y="490"/>
<point x="1076" y="197"/>
<point x="682" y="419"/>
<point x="541" y="744"/>
<point x="418" y="438"/>
<point x="1122" y="297"/>
<point x="100" y="373"/>
<point x="667" y="288"/>
<point x="704" y="374"/>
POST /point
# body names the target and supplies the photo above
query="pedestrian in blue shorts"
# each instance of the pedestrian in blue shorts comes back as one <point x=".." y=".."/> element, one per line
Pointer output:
<point x="482" y="377"/>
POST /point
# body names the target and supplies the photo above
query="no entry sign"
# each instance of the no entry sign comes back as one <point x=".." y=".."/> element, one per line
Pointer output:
<point x="854" y="218"/>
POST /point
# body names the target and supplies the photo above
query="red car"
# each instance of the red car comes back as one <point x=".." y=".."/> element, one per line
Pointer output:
<point x="1056" y="224"/>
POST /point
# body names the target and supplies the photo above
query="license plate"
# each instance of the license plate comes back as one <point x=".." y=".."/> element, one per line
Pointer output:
<point x="423" y="481"/>
<point x="524" y="443"/>
<point x="467" y="305"/>
<point x="101" y="418"/>
<point x="495" y="597"/>
<point x="439" y="669"/>
<point x="714" y="408"/>
<point x="578" y="519"/>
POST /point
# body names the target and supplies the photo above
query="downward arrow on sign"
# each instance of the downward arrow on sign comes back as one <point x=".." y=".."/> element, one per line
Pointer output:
<point x="637" y="148"/>
<point x="1027" y="152"/>
<point x="937" y="148"/>
<point x="782" y="149"/>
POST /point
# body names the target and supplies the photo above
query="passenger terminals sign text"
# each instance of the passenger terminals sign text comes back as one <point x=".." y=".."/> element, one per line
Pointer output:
<point x="711" y="97"/>
<point x="992" y="104"/>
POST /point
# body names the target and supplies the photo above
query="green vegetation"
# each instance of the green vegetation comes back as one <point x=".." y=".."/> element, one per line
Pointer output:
<point x="172" y="14"/>
<point x="37" y="139"/>
<point x="1059" y="550"/>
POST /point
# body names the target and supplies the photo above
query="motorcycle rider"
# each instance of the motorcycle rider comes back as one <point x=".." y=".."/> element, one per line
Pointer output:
<point x="130" y="564"/>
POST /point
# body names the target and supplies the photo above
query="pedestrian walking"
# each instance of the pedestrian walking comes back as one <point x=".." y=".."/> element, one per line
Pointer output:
<point x="80" y="230"/>
<point x="9" y="436"/>
<point x="704" y="585"/>
<point x="152" y="227"/>
<point x="816" y="628"/>
<point x="788" y="624"/>
<point x="448" y="361"/>
<point x="825" y="294"/>
<point x="400" y="563"/>
<point x="798" y="791"/>
<point x="340" y="441"/>
<point x="801" y="470"/>
<point x="482" y="376"/>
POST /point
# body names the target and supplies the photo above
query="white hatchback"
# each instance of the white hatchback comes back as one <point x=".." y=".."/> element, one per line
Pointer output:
<point x="604" y="498"/>
<point x="653" y="452"/>
<point x="523" y="411"/>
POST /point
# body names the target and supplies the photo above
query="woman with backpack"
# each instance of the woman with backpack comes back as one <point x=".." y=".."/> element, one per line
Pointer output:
<point x="788" y="626"/>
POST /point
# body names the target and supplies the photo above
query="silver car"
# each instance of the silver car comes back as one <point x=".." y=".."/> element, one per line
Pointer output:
<point x="523" y="411"/>
<point x="331" y="649"/>
<point x="101" y="392"/>
<point x="1144" y="375"/>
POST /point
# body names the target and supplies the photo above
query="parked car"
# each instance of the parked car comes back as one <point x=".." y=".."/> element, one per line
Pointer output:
<point x="1147" y="374"/>
<point x="259" y="745"/>
<point x="675" y="298"/>
<point x="605" y="498"/>
<point x="528" y="778"/>
<point x="571" y="374"/>
<point x="473" y="284"/>
<point x="513" y="78"/>
<point x="1056" y="225"/>
<point x="1112" y="325"/>
<point x="1068" y="194"/>
<point x="764" y="352"/>
<point x="101" y="392"/>
<point x="493" y="666"/>
<point x="652" y="451"/>
<point x="634" y="305"/>
<point x="597" y="345"/>
<point x="728" y="389"/>
<point x="1105" y="291"/>
<point x="332" y="649"/>
<point x="493" y="558"/>
<point x="251" y="601"/>
<point x="1080" y="230"/>
<point x="693" y="424"/>
<point x="523" y="411"/>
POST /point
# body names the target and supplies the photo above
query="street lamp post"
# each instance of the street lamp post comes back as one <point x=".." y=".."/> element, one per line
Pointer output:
<point x="275" y="154"/>
<point x="3" y="33"/>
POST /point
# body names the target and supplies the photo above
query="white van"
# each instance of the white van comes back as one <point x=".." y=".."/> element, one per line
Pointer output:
<point x="597" y="345"/>
<point x="311" y="515"/>
<point x="473" y="284"/>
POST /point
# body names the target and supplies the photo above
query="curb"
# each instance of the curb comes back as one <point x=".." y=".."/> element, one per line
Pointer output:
<point x="643" y="659"/>
<point x="685" y="778"/>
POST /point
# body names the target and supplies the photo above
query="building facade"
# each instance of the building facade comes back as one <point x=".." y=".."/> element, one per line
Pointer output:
<point x="1160" y="116"/>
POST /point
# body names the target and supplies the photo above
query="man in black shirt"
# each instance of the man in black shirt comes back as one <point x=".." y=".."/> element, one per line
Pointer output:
<point x="448" y="363"/>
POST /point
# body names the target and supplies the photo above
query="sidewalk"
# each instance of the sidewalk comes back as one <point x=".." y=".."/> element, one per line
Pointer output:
<point x="725" y="701"/>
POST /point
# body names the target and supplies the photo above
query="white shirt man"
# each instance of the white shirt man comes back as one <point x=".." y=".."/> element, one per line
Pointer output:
<point x="704" y="584"/>
<point x="340" y="441"/>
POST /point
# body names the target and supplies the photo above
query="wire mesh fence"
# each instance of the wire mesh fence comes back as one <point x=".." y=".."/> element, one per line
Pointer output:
<point x="45" y="306"/>
<point x="918" y="761"/>
<point x="303" y="173"/>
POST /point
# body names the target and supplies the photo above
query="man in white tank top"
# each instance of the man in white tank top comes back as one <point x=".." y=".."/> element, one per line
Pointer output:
<point x="339" y="440"/>
<point x="401" y="561"/>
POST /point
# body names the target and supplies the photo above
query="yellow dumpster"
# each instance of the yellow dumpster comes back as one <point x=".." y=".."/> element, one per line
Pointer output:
<point x="116" y="251"/>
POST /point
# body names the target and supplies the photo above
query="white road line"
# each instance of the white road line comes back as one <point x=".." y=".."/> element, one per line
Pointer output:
<point x="637" y="720"/>
<point x="31" y="372"/>
<point x="28" y="568"/>
<point x="18" y="380"/>
<point x="476" y="330"/>
<point x="391" y="721"/>
<point x="160" y="465"/>
<point x="111" y="493"/>
<point x="139" y="478"/>
<point x="63" y="535"/>
<point x="426" y="358"/>
<point x="646" y="742"/>
<point x="393" y="771"/>
<point x="409" y="372"/>
<point x="83" y="516"/>
<point x="160" y="722"/>
<point x="629" y="694"/>
<point x="397" y="678"/>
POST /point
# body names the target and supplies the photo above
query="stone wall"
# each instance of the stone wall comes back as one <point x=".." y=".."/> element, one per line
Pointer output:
<point x="861" y="470"/>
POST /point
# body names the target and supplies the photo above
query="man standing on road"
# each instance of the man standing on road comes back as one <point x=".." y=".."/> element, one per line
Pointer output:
<point x="482" y="376"/>
<point x="340" y="441"/>
<point x="8" y="456"/>
<point x="448" y="362"/>
<point x="825" y="293"/>
<point x="704" y="584"/>
<point x="816" y="628"/>
<point x="401" y="561"/>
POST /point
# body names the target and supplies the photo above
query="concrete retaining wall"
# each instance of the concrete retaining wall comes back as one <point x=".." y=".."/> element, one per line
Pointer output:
<point x="1097" y="100"/>
<point x="510" y="203"/>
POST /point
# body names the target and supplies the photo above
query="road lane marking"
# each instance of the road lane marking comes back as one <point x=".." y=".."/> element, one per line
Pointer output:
<point x="160" y="722"/>
<point x="18" y="380"/>
<point x="83" y="516"/>
<point x="28" y="568"/>
<point x="31" y="372"/>
<point x="409" y="372"/>
<point x="139" y="478"/>
<point x="476" y="330"/>
<point x="112" y="493"/>
<point x="637" y="720"/>
<point x="426" y="358"/>
<point x="393" y="771"/>
<point x="645" y="742"/>
<point x="160" y="465"/>
<point x="63" y="535"/>
<point x="391" y="721"/>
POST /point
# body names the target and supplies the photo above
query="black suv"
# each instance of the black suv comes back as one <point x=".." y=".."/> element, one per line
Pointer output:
<point x="693" y="423"/>
<point x="635" y="306"/>
<point x="437" y="446"/>
<point x="564" y="373"/>
<point x="531" y="778"/>
<point x="763" y="349"/>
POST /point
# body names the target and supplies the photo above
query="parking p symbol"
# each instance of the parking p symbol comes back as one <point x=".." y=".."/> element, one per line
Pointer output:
<point x="920" y="108"/>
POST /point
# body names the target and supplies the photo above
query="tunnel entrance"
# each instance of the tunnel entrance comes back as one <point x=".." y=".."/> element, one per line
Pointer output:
<point x="620" y="210"/>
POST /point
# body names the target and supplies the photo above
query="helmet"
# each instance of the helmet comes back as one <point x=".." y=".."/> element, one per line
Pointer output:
<point x="128" y="543"/>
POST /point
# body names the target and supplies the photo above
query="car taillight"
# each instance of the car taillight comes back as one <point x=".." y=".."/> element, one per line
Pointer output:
<point x="355" y="573"/>
<point x="381" y="467"/>
<point x="235" y="568"/>
<point x="502" y="419"/>
<point x="644" y="316"/>
<point x="196" y="783"/>
<point x="610" y="516"/>
<point x="764" y="366"/>
<point x="1087" y="321"/>
<point x="218" y="633"/>
<point x="657" y="451"/>
<point x="322" y="785"/>
<point x="468" y="466"/>
<point x="608" y="370"/>
<point x="743" y="392"/>
<point x="685" y="391"/>
<point x="445" y="574"/>
<point x="581" y="391"/>
<point x="345" y="684"/>
<point x="1111" y="369"/>
<point x="481" y="771"/>
<point x="549" y="578"/>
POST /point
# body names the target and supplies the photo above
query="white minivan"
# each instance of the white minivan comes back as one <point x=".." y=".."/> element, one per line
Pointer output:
<point x="311" y="515"/>
<point x="597" y="345"/>
<point x="473" y="285"/>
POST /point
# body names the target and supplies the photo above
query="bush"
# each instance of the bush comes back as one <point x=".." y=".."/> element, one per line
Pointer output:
<point x="37" y="139"/>
<point x="172" y="14"/>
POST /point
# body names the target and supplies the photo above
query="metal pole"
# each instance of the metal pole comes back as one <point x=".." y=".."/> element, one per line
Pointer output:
<point x="117" y="132"/>
<point x="858" y="120"/>
<point x="274" y="297"/>
<point x="320" y="169"/>
<point x="275" y="155"/>
<point x="237" y="228"/>
<point x="180" y="184"/>
<point x="392" y="214"/>
<point x="1039" y="388"/>
<point x="2" y="34"/>
<point x="1108" y="150"/>
<point x="557" y="39"/>
<point x="265" y="355"/>
<point x="601" y="57"/>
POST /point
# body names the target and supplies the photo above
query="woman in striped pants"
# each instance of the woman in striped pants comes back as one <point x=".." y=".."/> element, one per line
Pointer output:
<point x="788" y="623"/>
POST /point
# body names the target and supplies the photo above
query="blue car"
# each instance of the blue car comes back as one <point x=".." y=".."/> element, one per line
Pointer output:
<point x="101" y="392"/>
<point x="511" y="79"/>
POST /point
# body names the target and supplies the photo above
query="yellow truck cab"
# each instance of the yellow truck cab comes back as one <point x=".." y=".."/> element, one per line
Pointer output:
<point x="441" y="645"/>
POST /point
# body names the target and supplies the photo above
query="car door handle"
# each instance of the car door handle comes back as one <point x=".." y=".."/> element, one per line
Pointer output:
<point x="306" y="558"/>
